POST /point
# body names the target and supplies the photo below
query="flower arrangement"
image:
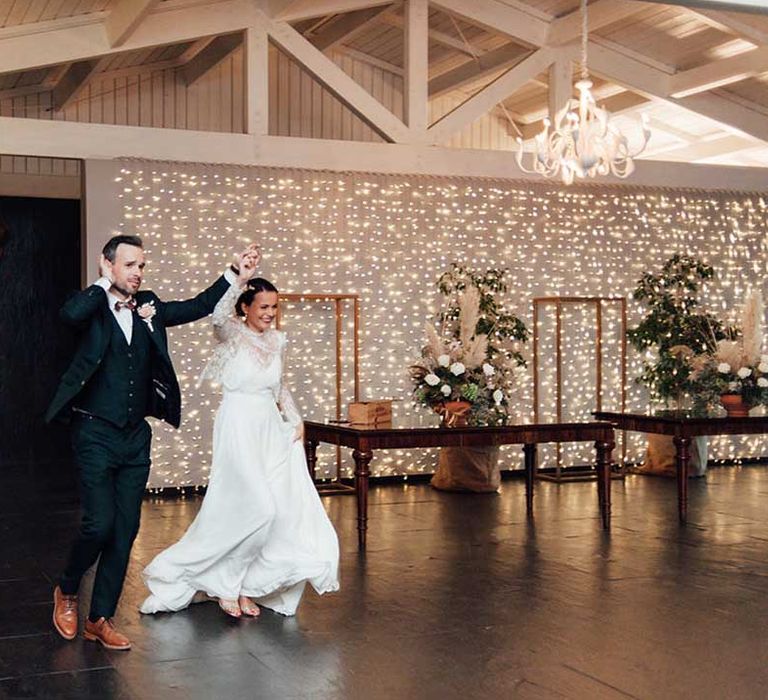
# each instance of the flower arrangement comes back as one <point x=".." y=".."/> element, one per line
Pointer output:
<point x="467" y="368"/>
<point x="736" y="366"/>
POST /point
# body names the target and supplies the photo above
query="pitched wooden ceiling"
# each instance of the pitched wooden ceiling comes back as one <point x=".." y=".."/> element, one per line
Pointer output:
<point x="699" y="74"/>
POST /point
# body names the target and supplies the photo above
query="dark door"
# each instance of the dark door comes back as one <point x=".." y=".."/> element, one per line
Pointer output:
<point x="39" y="267"/>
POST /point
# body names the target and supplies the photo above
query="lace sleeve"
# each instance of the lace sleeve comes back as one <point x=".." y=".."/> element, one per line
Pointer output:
<point x="224" y="320"/>
<point x="284" y="398"/>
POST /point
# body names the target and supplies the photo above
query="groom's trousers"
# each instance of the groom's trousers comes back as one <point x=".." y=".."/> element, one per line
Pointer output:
<point x="113" y="466"/>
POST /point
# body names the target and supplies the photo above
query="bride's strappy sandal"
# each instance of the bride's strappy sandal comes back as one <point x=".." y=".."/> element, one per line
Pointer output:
<point x="230" y="607"/>
<point x="248" y="607"/>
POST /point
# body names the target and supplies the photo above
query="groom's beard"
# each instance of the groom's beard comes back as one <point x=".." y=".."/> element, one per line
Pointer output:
<point x="122" y="291"/>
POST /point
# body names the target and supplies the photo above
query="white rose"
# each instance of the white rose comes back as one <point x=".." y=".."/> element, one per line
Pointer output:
<point x="763" y="382"/>
<point x="763" y="367"/>
<point x="733" y="386"/>
<point x="488" y="370"/>
<point x="498" y="395"/>
<point x="458" y="368"/>
<point x="764" y="359"/>
<point x="444" y="360"/>
<point x="432" y="379"/>
<point x="446" y="390"/>
<point x="723" y="368"/>
<point x="744" y="372"/>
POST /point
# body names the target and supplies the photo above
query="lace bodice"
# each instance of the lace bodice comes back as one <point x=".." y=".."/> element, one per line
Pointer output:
<point x="247" y="361"/>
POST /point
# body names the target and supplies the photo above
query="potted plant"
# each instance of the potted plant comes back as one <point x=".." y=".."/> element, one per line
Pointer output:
<point x="673" y="331"/>
<point x="467" y="371"/>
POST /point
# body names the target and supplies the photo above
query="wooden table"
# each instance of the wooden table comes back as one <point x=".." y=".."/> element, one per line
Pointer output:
<point x="683" y="429"/>
<point x="411" y="432"/>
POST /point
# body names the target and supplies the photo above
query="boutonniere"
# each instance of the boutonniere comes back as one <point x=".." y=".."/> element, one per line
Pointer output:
<point x="146" y="312"/>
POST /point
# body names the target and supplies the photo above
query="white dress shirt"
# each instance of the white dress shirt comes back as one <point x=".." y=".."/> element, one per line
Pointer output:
<point x="124" y="316"/>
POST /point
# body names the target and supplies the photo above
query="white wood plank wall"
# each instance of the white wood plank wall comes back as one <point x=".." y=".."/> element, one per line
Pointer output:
<point x="299" y="106"/>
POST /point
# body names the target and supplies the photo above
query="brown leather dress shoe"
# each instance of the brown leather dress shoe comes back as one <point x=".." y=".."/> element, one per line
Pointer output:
<point x="104" y="631"/>
<point x="65" y="614"/>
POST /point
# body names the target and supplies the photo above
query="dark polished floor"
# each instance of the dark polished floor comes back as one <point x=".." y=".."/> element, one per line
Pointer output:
<point x="457" y="597"/>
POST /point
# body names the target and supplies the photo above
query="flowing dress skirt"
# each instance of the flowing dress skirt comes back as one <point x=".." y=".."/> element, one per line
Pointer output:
<point x="261" y="531"/>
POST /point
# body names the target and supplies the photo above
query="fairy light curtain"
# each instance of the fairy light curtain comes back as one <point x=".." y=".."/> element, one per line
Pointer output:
<point x="387" y="238"/>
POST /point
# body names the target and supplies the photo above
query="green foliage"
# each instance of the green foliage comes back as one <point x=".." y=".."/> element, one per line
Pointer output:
<point x="673" y="320"/>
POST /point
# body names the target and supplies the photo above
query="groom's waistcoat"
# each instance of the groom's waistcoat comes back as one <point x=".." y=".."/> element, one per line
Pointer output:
<point x="119" y="390"/>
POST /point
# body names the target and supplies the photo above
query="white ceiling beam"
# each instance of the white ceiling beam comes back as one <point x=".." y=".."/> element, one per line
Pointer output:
<point x="560" y="86"/>
<point x="213" y="54"/>
<point x="481" y="103"/>
<point x="256" y="81"/>
<point x="601" y="14"/>
<point x="124" y="17"/>
<point x="732" y="23"/>
<point x="718" y="73"/>
<point x="351" y="93"/>
<point x="471" y="71"/>
<point x="416" y="106"/>
<point x="345" y="28"/>
<point x="495" y="16"/>
<point x="638" y="77"/>
<point x="63" y="139"/>
<point x="304" y="9"/>
<point x="70" y="44"/>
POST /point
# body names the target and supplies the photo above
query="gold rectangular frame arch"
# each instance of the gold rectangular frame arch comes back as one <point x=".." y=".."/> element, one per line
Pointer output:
<point x="557" y="304"/>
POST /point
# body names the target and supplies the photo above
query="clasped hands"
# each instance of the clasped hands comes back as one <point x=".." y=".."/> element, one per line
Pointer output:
<point x="246" y="263"/>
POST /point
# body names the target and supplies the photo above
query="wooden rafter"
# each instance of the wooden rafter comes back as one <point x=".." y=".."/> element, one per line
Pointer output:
<point x="649" y="81"/>
<point x="66" y="42"/>
<point x="601" y="14"/>
<point x="719" y="73"/>
<point x="213" y="54"/>
<point x="304" y="9"/>
<point x="435" y="35"/>
<point x="416" y="64"/>
<point x="346" y="28"/>
<point x="73" y="82"/>
<point x="481" y="103"/>
<point x="732" y="23"/>
<point x="336" y="80"/>
<point x="124" y="17"/>
<point x="476" y="69"/>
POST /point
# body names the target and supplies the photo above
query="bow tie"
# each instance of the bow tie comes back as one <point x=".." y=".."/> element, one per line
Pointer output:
<point x="130" y="305"/>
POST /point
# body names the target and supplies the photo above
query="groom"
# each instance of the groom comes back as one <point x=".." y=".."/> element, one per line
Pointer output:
<point x="120" y="374"/>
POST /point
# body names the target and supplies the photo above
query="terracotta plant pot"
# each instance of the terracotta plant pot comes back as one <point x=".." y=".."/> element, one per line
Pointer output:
<point x="734" y="405"/>
<point x="453" y="413"/>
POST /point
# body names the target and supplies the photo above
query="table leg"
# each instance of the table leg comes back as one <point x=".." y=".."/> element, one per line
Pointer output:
<point x="310" y="449"/>
<point x="529" y="450"/>
<point x="362" y="460"/>
<point x="682" y="458"/>
<point x="603" y="466"/>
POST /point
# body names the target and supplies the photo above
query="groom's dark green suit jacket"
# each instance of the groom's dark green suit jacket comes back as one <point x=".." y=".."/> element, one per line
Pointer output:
<point x="89" y="312"/>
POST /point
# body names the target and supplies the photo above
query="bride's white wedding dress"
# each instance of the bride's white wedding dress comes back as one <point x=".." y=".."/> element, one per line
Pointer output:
<point x="261" y="531"/>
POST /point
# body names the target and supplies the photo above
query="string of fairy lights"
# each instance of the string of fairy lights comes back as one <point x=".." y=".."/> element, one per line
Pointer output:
<point x="387" y="239"/>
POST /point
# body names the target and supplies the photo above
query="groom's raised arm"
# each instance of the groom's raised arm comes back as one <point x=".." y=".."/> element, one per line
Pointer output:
<point x="174" y="313"/>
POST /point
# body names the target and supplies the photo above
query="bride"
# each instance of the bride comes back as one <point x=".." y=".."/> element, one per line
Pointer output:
<point x="261" y="533"/>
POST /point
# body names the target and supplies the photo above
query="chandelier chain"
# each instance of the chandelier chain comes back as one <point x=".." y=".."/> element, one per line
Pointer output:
<point x="584" y="40"/>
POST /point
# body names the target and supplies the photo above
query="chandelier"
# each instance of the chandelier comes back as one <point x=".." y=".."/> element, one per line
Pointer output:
<point x="582" y="142"/>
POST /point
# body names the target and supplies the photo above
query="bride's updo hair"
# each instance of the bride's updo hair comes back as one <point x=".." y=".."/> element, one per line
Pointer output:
<point x="259" y="284"/>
